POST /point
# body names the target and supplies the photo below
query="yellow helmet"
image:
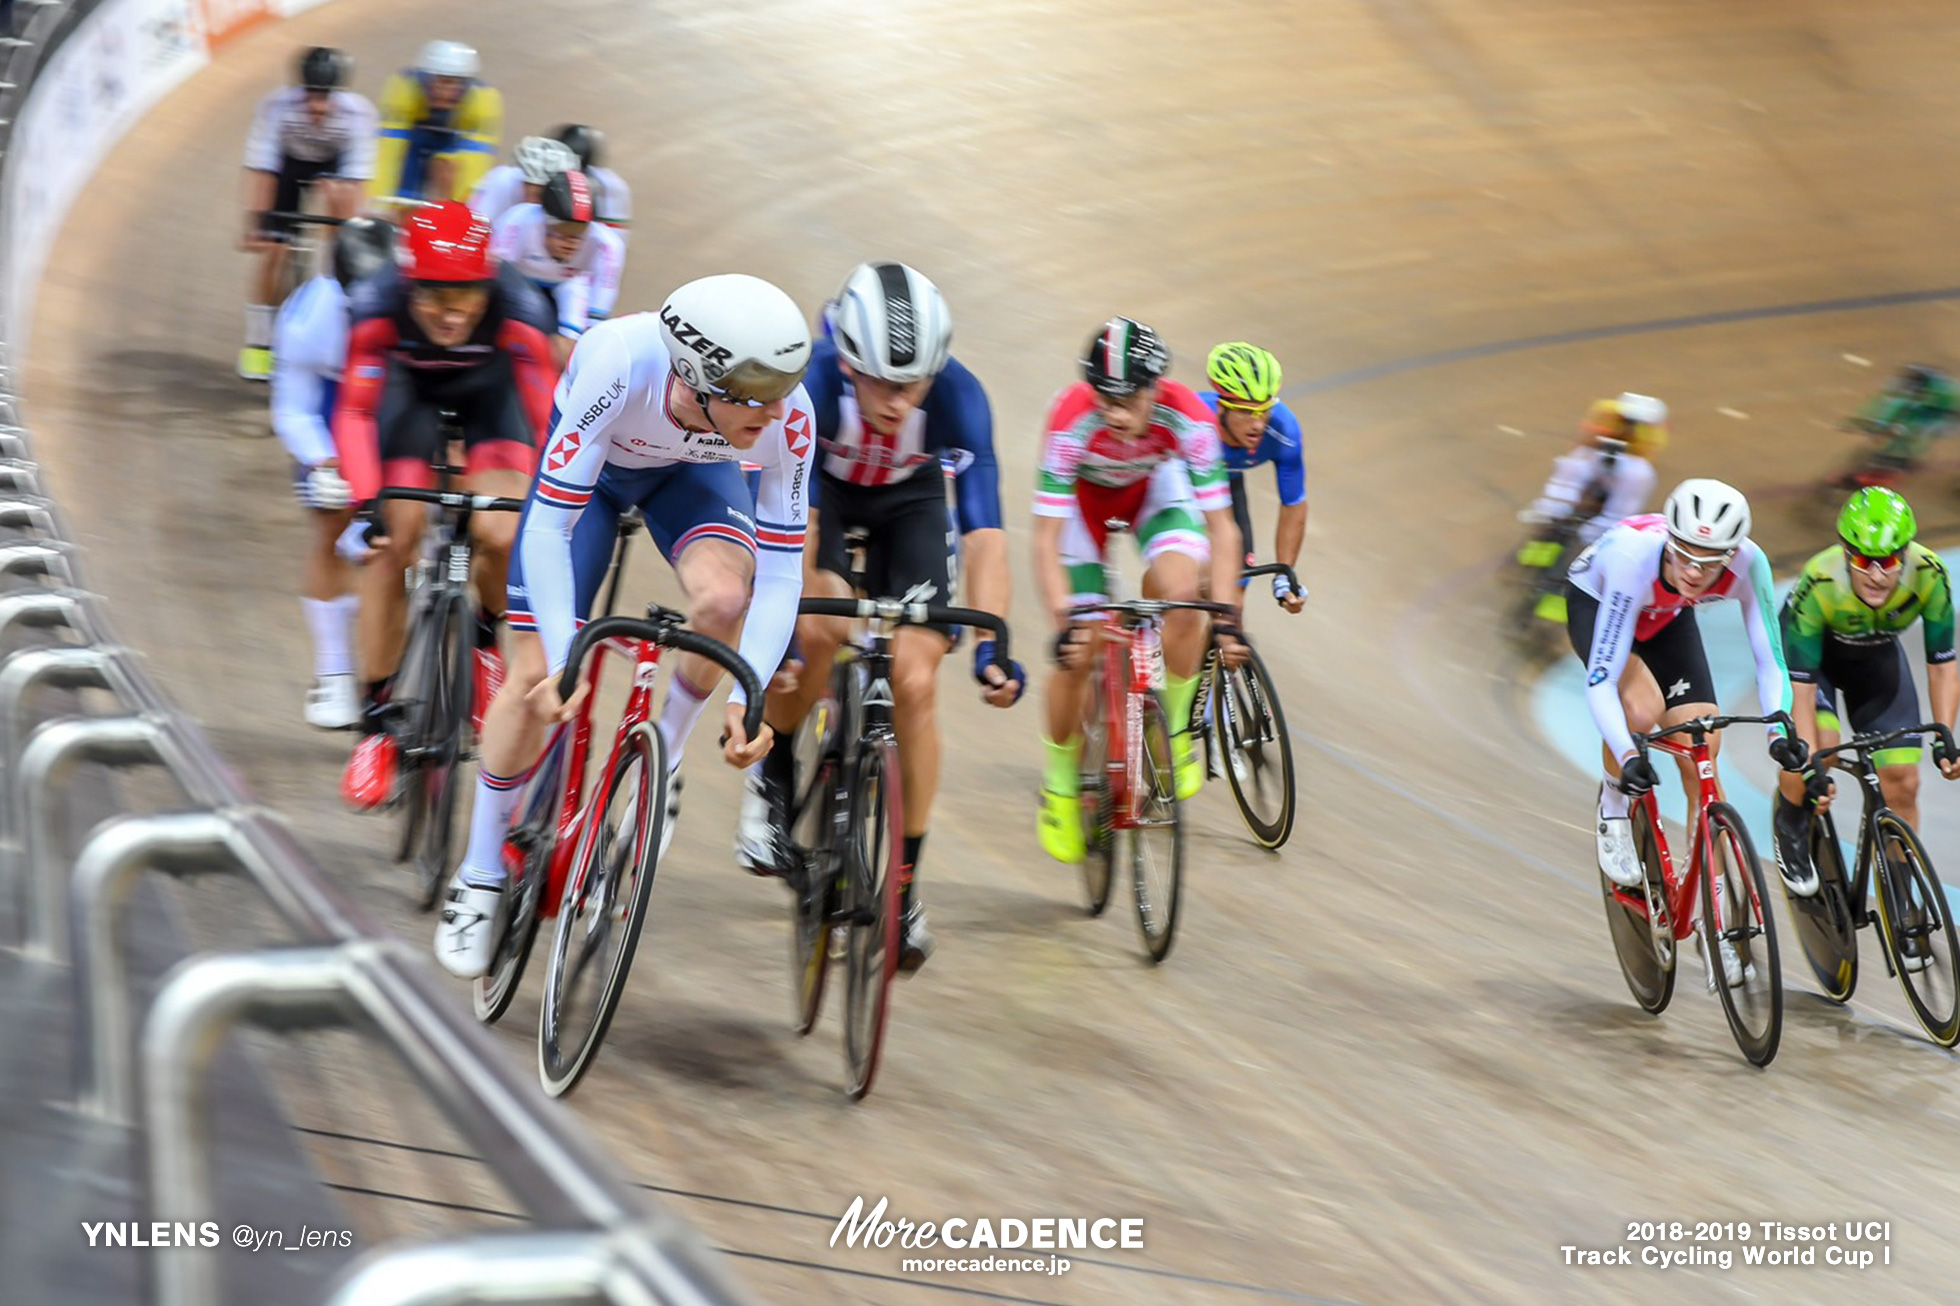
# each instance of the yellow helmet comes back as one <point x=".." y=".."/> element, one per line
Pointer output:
<point x="1640" y="420"/>
<point x="1245" y="376"/>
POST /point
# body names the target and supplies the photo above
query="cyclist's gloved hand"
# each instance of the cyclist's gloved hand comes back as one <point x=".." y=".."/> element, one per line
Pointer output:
<point x="983" y="662"/>
<point x="356" y="542"/>
<point x="1816" y="786"/>
<point x="1637" y="776"/>
<point x="1283" y="589"/>
<point x="324" y="488"/>
<point x="1789" y="752"/>
<point x="1070" y="636"/>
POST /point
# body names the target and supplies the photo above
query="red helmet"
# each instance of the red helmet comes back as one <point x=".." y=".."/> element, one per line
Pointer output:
<point x="447" y="242"/>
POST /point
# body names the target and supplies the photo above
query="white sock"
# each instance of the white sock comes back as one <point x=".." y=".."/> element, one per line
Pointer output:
<point x="678" y="715"/>
<point x="332" y="653"/>
<point x="1613" y="805"/>
<point x="258" y="326"/>
<point x="496" y="799"/>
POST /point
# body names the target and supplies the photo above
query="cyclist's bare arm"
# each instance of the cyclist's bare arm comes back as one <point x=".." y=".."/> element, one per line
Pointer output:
<point x="1046" y="550"/>
<point x="259" y="188"/>
<point x="1227" y="554"/>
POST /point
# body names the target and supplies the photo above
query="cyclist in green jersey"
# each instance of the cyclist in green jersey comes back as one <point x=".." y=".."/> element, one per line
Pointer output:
<point x="1917" y="408"/>
<point x="1841" y="628"/>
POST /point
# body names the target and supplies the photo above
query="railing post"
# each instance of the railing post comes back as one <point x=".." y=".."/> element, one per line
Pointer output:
<point x="523" y="1269"/>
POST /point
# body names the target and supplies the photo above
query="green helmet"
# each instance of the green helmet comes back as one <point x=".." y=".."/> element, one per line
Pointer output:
<point x="1877" y="522"/>
<point x="1244" y="374"/>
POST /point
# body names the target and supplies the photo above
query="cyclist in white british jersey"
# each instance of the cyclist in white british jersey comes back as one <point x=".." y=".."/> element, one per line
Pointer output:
<point x="309" y="350"/>
<point x="575" y="261"/>
<point x="613" y="198"/>
<point x="522" y="181"/>
<point x="654" y="412"/>
<point x="312" y="133"/>
<point x="1630" y="605"/>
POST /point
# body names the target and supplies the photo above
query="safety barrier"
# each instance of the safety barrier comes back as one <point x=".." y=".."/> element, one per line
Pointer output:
<point x="598" y="1239"/>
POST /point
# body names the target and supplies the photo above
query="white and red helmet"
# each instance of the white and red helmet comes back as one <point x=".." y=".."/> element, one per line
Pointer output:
<point x="1707" y="514"/>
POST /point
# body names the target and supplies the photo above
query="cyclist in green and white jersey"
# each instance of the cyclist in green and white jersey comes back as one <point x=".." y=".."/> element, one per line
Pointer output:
<point x="1841" y="629"/>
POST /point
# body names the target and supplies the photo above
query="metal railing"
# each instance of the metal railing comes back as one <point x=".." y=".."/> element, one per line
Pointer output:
<point x="598" y="1239"/>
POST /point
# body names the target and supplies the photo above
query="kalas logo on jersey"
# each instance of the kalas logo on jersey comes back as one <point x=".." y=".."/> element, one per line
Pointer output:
<point x="796" y="433"/>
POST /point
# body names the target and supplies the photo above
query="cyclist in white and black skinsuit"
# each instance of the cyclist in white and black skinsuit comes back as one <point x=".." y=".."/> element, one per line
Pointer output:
<point x="313" y="132"/>
<point x="1630" y="606"/>
<point x="309" y="353"/>
<point x="890" y="400"/>
<point x="658" y="413"/>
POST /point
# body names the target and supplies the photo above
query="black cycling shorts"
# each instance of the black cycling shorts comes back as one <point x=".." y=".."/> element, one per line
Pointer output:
<point x="1675" y="654"/>
<point x="1876" y="681"/>
<point x="287" y="194"/>
<point x="496" y="430"/>
<point x="911" y="542"/>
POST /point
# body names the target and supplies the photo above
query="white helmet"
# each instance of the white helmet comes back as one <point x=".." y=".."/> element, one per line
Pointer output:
<point x="1707" y="514"/>
<point x="1645" y="409"/>
<point x="540" y="156"/>
<point x="891" y="323"/>
<point x="735" y="337"/>
<point x="448" y="59"/>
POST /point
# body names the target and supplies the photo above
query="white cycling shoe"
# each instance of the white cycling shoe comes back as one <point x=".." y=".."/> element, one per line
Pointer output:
<point x="334" y="703"/>
<point x="1617" y="860"/>
<point x="1733" y="971"/>
<point x="757" y="850"/>
<point x="467" y="928"/>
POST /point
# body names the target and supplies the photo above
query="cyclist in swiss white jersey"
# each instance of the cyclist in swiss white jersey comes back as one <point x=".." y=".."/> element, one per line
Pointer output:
<point x="1630" y="615"/>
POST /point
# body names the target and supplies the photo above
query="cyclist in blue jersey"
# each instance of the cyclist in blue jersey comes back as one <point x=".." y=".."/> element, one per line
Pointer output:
<point x="1255" y="428"/>
<point x="889" y="400"/>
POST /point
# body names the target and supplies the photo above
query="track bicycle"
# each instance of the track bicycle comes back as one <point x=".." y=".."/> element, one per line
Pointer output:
<point x="1894" y="885"/>
<point x="1736" y="932"/>
<point x="846" y="821"/>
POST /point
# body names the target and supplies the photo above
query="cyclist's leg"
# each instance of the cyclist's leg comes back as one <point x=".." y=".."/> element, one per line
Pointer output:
<point x="262" y="298"/>
<point x="1066" y="700"/>
<point x="499" y="459"/>
<point x="1177" y="551"/>
<point x="1879" y="695"/>
<point x="1643" y="704"/>
<point x="327" y="599"/>
<point x="408" y="438"/>
<point x="1677" y="665"/>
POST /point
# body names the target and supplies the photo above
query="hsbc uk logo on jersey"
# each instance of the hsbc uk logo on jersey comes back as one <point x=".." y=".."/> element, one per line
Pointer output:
<point x="796" y="433"/>
<point x="562" y="451"/>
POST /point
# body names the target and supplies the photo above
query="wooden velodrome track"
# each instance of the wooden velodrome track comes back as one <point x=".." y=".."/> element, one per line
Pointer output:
<point x="1395" y="1064"/>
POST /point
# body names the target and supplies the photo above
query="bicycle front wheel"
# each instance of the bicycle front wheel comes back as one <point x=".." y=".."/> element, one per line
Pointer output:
<point x="1098" y="804"/>
<point x="873" y="856"/>
<point x="446" y="715"/>
<point x="1917" y="924"/>
<point x="1258" y="753"/>
<point x="532" y="845"/>
<point x="1739" y="936"/>
<point x="1152" y="839"/>
<point x="1643" y="937"/>
<point x="604" y="909"/>
<point x="813" y="886"/>
<point x="1825" y="927"/>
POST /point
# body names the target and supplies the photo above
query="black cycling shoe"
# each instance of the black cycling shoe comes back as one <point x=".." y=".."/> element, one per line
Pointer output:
<point x="1792" y="842"/>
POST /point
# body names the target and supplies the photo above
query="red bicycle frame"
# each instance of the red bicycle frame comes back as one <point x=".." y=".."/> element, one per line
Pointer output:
<point x="1125" y="681"/>
<point x="1678" y="895"/>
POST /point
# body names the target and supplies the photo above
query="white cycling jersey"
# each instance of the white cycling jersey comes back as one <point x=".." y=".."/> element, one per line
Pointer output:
<point x="612" y="198"/>
<point x="309" y="349"/>
<point x="584" y="287"/>
<point x="613" y="409"/>
<point x="283" y="128"/>
<point x="1627" y="485"/>
<point x="1623" y="571"/>
<point x="500" y="191"/>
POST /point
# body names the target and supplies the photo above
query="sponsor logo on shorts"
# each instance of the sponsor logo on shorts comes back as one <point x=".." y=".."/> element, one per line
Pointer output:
<point x="1677" y="689"/>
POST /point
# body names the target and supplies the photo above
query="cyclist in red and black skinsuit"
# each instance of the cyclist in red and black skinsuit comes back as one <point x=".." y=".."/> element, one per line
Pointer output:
<point x="450" y="329"/>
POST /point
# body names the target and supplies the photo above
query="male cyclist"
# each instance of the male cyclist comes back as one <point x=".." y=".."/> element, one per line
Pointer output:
<point x="889" y="400"/>
<point x="1609" y="476"/>
<point x="1256" y="428"/>
<point x="521" y="181"/>
<point x="1127" y="442"/>
<point x="573" y="260"/>
<point x="452" y="330"/>
<point x="1630" y="615"/>
<point x="440" y="126"/>
<point x="611" y="196"/>
<point x="655" y="412"/>
<point x="313" y="133"/>
<point x="310" y="349"/>
<point x="1842" y="624"/>
<point x="1920" y="405"/>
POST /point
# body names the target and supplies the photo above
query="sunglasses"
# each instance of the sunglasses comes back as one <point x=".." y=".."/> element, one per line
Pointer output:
<point x="754" y="384"/>
<point x="1238" y="406"/>
<point x="1874" y="565"/>
<point x="1699" y="562"/>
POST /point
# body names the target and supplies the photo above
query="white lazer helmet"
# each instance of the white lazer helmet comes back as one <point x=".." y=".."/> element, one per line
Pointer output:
<point x="891" y="323"/>
<point x="1707" y="514"/>
<point x="540" y="156"/>
<point x="448" y="59"/>
<point x="735" y="337"/>
<point x="1645" y="409"/>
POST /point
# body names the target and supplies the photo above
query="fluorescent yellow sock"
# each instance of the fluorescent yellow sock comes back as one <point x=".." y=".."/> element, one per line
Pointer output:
<point x="1178" y="693"/>
<point x="1064" y="766"/>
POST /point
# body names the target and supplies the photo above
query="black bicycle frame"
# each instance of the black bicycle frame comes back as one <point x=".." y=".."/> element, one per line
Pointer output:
<point x="1854" y="757"/>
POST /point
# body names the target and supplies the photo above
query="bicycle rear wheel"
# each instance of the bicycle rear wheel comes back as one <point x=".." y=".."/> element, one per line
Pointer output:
<point x="1733" y="913"/>
<point x="874" y="850"/>
<point x="604" y="910"/>
<point x="1153" y="844"/>
<point x="1258" y="752"/>
<point x="446" y="716"/>
<point x="1098" y="804"/>
<point x="1918" y="930"/>
<point x="813" y="891"/>
<point x="1643" y="939"/>
<point x="1825" y="927"/>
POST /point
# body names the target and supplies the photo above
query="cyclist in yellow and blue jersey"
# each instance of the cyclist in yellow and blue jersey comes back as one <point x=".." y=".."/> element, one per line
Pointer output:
<point x="440" y="127"/>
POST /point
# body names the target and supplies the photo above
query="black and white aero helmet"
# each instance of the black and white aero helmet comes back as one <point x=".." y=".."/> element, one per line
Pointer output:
<point x="1708" y="514"/>
<point x="891" y="323"/>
